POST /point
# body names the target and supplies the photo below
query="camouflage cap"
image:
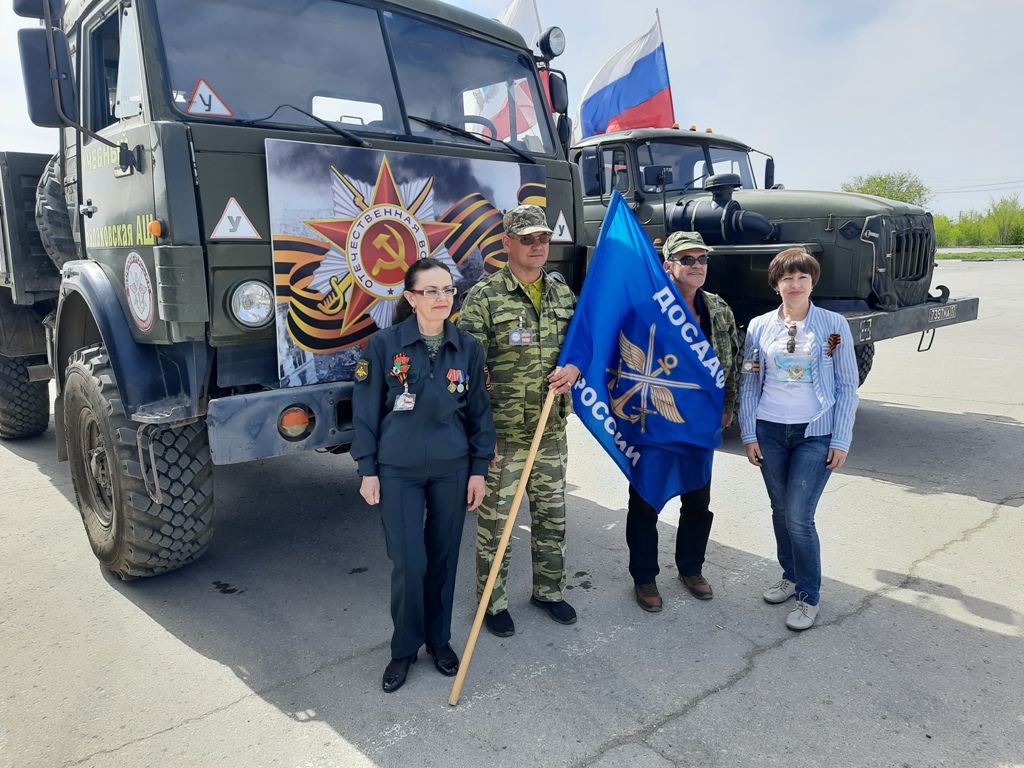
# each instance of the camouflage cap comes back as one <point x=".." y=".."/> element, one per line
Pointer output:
<point x="681" y="241"/>
<point x="525" y="220"/>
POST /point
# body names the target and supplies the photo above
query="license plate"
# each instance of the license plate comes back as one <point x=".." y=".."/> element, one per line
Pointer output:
<point x="942" y="313"/>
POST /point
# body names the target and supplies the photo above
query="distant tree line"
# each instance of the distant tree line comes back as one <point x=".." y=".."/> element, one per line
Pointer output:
<point x="1001" y="224"/>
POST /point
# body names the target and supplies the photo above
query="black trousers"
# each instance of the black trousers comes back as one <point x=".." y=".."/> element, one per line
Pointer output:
<point x="691" y="538"/>
<point x="423" y="518"/>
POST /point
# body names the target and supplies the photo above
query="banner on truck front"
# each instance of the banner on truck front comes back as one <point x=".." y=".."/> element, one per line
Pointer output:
<point x="346" y="224"/>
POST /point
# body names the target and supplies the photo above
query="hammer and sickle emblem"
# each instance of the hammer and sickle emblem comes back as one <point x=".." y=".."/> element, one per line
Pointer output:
<point x="383" y="242"/>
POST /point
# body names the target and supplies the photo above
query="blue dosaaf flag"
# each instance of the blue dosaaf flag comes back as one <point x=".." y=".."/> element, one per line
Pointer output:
<point x="652" y="389"/>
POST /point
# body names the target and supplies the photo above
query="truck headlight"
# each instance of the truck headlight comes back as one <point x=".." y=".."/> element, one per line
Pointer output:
<point x="252" y="303"/>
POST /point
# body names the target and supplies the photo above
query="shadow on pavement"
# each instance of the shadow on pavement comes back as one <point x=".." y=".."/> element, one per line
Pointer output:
<point x="924" y="451"/>
<point x="293" y="597"/>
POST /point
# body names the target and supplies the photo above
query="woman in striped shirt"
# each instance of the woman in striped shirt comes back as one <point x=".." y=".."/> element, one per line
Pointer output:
<point x="798" y="399"/>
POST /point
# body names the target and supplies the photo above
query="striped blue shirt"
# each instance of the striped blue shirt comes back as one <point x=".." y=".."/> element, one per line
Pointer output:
<point x="835" y="381"/>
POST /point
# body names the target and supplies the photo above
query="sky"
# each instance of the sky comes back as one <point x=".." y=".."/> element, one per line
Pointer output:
<point x="830" y="89"/>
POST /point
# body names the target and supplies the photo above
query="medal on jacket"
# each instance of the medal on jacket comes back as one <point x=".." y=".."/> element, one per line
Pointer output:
<point x="458" y="381"/>
<point x="404" y="401"/>
<point x="520" y="337"/>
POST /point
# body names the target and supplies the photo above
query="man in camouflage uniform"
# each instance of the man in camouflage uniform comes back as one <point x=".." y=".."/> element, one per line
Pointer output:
<point x="686" y="261"/>
<point x="520" y="315"/>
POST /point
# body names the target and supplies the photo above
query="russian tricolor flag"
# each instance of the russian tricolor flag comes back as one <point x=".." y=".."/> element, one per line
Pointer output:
<point x="631" y="90"/>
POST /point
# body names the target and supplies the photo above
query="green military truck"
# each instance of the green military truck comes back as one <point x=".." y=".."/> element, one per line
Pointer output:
<point x="238" y="188"/>
<point x="877" y="255"/>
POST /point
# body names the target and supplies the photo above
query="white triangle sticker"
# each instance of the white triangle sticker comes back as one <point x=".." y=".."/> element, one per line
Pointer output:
<point x="562" y="233"/>
<point x="205" y="102"/>
<point x="234" y="224"/>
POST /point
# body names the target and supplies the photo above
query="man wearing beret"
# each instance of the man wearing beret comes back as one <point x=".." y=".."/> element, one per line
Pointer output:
<point x="686" y="261"/>
<point x="521" y="314"/>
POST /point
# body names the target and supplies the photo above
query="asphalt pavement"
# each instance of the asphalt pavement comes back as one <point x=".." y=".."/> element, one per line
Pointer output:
<point x="269" y="650"/>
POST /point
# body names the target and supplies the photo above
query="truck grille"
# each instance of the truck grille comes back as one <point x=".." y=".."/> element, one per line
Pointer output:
<point x="911" y="253"/>
<point x="904" y="248"/>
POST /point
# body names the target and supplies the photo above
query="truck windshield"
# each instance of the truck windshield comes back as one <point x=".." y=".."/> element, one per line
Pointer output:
<point x="690" y="167"/>
<point x="243" y="59"/>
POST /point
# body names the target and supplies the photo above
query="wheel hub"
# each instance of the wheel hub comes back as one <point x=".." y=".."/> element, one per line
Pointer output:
<point x="98" y="466"/>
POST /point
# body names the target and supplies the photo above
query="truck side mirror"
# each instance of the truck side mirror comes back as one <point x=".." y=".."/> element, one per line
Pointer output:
<point x="564" y="127"/>
<point x="33" y="9"/>
<point x="558" y="91"/>
<point x="657" y="175"/>
<point x="35" y="70"/>
<point x="769" y="173"/>
<point x="590" y="171"/>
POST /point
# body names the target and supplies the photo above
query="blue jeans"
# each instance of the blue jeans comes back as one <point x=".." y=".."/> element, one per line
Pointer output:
<point x="795" y="475"/>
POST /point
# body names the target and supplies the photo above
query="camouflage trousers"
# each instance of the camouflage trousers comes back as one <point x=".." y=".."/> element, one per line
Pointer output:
<point x="546" y="492"/>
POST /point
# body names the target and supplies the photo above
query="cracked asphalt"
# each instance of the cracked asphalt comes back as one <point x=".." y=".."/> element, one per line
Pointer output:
<point x="269" y="650"/>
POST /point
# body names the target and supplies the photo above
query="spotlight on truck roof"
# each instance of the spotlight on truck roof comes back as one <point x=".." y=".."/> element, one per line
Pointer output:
<point x="552" y="43"/>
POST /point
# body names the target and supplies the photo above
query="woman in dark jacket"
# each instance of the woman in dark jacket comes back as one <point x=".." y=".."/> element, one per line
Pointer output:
<point x="424" y="437"/>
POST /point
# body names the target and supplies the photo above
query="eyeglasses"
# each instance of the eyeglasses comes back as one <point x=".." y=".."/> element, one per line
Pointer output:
<point x="543" y="239"/>
<point x="433" y="293"/>
<point x="688" y="261"/>
<point x="791" y="344"/>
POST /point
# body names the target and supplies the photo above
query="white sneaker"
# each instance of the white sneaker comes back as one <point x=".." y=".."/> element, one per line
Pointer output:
<point x="781" y="592"/>
<point x="803" y="615"/>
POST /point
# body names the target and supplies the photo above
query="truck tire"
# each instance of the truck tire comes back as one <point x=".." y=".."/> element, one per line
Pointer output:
<point x="24" y="404"/>
<point x="52" y="215"/>
<point x="131" y="534"/>
<point x="865" y="357"/>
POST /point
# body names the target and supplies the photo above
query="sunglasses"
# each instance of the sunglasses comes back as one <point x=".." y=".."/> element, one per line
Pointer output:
<point x="791" y="344"/>
<point x="543" y="239"/>
<point x="433" y="293"/>
<point x="688" y="261"/>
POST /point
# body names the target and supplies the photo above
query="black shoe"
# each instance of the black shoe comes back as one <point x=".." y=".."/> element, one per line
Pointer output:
<point x="445" y="660"/>
<point x="559" y="610"/>
<point x="396" y="672"/>
<point x="500" y="624"/>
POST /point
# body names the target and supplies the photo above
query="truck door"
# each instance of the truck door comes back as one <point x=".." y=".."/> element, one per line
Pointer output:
<point x="605" y="169"/>
<point x="116" y="204"/>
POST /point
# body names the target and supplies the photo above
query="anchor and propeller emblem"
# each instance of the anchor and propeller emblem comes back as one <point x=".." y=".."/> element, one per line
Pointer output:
<point x="643" y="378"/>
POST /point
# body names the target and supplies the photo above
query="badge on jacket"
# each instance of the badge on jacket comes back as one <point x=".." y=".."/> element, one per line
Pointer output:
<point x="404" y="401"/>
<point x="751" y="364"/>
<point x="362" y="369"/>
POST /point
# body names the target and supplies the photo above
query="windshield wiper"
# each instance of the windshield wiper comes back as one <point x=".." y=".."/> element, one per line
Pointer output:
<point x="462" y="132"/>
<point x="450" y="129"/>
<point x="517" y="150"/>
<point x="356" y="140"/>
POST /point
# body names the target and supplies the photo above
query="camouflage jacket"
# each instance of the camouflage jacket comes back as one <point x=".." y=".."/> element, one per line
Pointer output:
<point x="493" y="308"/>
<point x="725" y="341"/>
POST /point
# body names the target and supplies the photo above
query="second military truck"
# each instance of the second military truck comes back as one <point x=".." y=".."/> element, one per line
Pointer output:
<point x="876" y="255"/>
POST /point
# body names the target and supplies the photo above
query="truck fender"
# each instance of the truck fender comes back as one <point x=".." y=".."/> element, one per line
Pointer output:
<point x="156" y="383"/>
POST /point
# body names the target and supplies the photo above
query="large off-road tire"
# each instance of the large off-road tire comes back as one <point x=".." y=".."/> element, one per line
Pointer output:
<point x="130" y="533"/>
<point x="24" y="404"/>
<point x="52" y="215"/>
<point x="865" y="357"/>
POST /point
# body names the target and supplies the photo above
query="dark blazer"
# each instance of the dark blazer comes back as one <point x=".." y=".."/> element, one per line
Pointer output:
<point x="445" y="430"/>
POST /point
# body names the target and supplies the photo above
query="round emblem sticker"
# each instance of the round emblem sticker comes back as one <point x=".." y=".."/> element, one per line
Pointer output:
<point x="139" y="290"/>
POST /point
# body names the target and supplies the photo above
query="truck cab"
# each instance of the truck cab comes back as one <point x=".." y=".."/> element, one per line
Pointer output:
<point x="203" y="301"/>
<point x="876" y="255"/>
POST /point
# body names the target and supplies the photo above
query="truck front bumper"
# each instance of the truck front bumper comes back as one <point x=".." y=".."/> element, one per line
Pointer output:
<point x="869" y="326"/>
<point x="245" y="427"/>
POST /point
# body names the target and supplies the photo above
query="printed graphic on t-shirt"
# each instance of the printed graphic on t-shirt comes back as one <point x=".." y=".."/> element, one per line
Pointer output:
<point x="793" y="367"/>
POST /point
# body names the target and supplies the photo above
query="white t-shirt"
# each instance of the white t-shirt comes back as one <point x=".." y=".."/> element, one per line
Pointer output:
<point x="788" y="396"/>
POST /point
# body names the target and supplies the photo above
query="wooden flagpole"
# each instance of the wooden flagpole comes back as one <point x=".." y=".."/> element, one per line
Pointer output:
<point x="499" y="555"/>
